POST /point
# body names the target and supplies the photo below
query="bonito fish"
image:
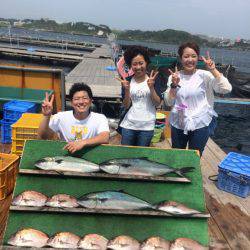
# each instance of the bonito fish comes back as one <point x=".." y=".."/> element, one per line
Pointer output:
<point x="155" y="243"/>
<point x="93" y="242"/>
<point x="30" y="198"/>
<point x="62" y="200"/>
<point x="28" y="238"/>
<point x="67" y="163"/>
<point x="140" y="166"/>
<point x="113" y="200"/>
<point x="124" y="242"/>
<point x="186" y="244"/>
<point x="64" y="240"/>
<point x="175" y="208"/>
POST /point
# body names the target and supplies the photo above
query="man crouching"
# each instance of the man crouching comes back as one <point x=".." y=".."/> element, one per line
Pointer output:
<point x="79" y="127"/>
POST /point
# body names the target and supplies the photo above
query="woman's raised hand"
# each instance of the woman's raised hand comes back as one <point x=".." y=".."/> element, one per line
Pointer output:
<point x="47" y="106"/>
<point x="125" y="84"/>
<point x="151" y="79"/>
<point x="175" y="76"/>
<point x="208" y="61"/>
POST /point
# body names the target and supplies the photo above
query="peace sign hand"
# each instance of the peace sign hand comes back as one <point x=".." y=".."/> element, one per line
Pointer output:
<point x="125" y="84"/>
<point x="47" y="105"/>
<point x="151" y="79"/>
<point x="209" y="62"/>
<point x="175" y="76"/>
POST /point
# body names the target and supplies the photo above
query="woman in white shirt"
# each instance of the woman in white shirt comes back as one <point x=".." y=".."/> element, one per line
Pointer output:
<point x="140" y="97"/>
<point x="191" y="93"/>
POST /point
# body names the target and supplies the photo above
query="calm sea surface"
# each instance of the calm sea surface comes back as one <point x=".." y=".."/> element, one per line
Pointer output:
<point x="233" y="129"/>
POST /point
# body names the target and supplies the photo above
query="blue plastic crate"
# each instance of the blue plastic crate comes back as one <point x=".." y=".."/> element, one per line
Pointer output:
<point x="234" y="174"/>
<point x="13" y="110"/>
<point x="6" y="131"/>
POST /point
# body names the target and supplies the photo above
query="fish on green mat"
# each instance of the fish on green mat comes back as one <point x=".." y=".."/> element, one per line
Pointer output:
<point x="155" y="243"/>
<point x="186" y="243"/>
<point x="175" y="208"/>
<point x="123" y="242"/>
<point x="30" y="198"/>
<point x="65" y="240"/>
<point x="140" y="166"/>
<point x="28" y="237"/>
<point x="113" y="200"/>
<point x="62" y="201"/>
<point x="67" y="163"/>
<point x="93" y="242"/>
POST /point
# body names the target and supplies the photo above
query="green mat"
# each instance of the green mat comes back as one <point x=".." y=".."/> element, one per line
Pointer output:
<point x="112" y="225"/>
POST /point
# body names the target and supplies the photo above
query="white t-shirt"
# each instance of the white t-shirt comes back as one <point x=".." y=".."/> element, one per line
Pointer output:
<point x="71" y="129"/>
<point x="141" y="115"/>
<point x="193" y="105"/>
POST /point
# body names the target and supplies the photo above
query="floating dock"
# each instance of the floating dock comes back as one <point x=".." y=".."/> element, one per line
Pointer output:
<point x="94" y="70"/>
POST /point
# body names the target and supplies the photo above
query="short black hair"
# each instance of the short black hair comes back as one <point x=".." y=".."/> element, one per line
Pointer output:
<point x="134" y="51"/>
<point x="191" y="45"/>
<point x="76" y="87"/>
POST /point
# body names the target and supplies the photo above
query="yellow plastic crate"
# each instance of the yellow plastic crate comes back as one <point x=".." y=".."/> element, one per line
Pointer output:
<point x="17" y="152"/>
<point x="26" y="127"/>
<point x="8" y="170"/>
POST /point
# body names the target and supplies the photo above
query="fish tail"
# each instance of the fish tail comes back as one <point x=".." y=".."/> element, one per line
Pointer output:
<point x="184" y="170"/>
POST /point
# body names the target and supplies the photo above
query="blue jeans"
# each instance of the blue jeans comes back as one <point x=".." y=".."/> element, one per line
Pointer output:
<point x="212" y="126"/>
<point x="136" y="137"/>
<point x="196" y="139"/>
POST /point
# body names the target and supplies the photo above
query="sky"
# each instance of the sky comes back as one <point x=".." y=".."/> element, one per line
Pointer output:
<point x="216" y="18"/>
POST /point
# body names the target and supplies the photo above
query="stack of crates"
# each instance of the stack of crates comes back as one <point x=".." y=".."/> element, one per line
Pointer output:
<point x="26" y="128"/>
<point x="12" y="111"/>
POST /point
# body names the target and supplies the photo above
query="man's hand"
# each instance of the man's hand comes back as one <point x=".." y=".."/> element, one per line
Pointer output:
<point x="47" y="105"/>
<point x="74" y="146"/>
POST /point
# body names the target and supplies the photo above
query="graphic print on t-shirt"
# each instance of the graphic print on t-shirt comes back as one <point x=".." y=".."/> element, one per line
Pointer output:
<point x="138" y="98"/>
<point x="78" y="131"/>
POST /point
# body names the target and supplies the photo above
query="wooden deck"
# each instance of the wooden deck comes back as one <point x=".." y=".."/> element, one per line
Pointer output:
<point x="41" y="54"/>
<point x="92" y="71"/>
<point x="229" y="224"/>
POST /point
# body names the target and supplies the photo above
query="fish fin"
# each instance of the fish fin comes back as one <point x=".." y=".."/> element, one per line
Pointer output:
<point x="125" y="165"/>
<point x="103" y="199"/>
<point x="59" y="172"/>
<point x="121" y="191"/>
<point x="104" y="163"/>
<point x="184" y="170"/>
<point x="59" y="161"/>
<point x="142" y="158"/>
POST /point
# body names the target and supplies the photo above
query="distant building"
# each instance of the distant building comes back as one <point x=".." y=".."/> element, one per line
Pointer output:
<point x="91" y="28"/>
<point x="4" y="23"/>
<point x="18" y="23"/>
<point x="100" y="33"/>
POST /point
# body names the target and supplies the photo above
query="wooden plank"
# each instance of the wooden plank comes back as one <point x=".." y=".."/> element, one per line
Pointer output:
<point x="217" y="239"/>
<point x="108" y="176"/>
<point x="92" y="71"/>
<point x="41" y="54"/>
<point x="213" y="163"/>
<point x="104" y="211"/>
<point x="227" y="210"/>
